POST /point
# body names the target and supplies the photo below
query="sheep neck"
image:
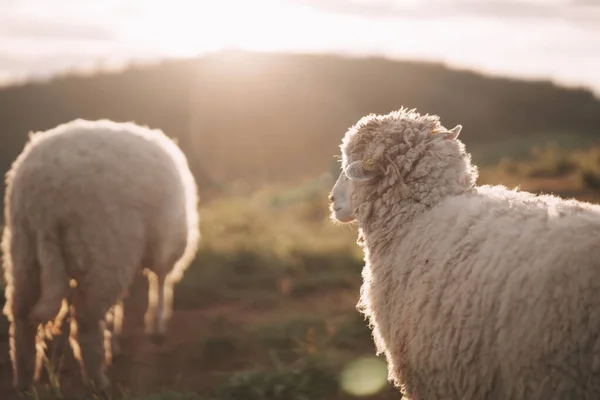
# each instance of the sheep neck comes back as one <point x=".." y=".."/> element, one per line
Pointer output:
<point x="383" y="223"/>
<point x="389" y="222"/>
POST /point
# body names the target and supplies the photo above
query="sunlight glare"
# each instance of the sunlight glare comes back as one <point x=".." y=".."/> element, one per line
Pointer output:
<point x="184" y="28"/>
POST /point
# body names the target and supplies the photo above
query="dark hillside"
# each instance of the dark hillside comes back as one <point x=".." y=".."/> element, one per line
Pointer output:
<point x="266" y="117"/>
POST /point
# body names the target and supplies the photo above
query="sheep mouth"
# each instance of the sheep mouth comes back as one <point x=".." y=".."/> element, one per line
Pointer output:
<point x="343" y="219"/>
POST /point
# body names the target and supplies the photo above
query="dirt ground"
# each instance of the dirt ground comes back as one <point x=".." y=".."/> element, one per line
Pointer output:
<point x="190" y="359"/>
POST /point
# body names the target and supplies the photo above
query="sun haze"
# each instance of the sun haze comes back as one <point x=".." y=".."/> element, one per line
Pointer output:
<point x="557" y="39"/>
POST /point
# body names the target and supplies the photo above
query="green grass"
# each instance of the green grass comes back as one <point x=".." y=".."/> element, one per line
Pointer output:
<point x="251" y="247"/>
<point x="550" y="168"/>
<point x="311" y="378"/>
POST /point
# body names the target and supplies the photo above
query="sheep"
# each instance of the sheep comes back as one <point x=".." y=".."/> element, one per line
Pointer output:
<point x="92" y="203"/>
<point x="471" y="292"/>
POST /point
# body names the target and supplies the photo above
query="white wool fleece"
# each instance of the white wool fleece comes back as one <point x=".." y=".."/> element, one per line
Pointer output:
<point x="94" y="201"/>
<point x="472" y="292"/>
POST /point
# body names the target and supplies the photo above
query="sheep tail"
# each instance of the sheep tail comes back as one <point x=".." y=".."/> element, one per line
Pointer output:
<point x="54" y="281"/>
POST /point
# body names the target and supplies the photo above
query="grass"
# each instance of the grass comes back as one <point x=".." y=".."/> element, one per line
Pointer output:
<point x="550" y="168"/>
<point x="311" y="378"/>
<point x="261" y="246"/>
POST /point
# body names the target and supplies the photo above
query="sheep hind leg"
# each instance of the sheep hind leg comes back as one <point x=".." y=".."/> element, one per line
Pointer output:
<point x="27" y="360"/>
<point x="24" y="290"/>
<point x="91" y="304"/>
<point x="160" y="299"/>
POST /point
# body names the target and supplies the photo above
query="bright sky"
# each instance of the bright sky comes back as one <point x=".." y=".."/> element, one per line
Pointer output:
<point x="557" y="39"/>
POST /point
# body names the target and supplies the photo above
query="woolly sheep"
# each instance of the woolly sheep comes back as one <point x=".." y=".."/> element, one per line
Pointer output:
<point x="94" y="202"/>
<point x="472" y="292"/>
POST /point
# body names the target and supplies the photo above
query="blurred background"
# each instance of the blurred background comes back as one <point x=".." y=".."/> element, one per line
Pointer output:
<point x="259" y="94"/>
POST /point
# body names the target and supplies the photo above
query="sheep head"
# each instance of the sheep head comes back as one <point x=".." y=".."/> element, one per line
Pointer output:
<point x="396" y="156"/>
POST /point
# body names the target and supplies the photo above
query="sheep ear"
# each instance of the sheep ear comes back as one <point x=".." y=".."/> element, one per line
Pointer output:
<point x="453" y="133"/>
<point x="357" y="172"/>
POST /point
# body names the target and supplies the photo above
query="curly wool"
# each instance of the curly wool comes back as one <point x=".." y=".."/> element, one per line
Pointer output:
<point x="95" y="202"/>
<point x="472" y="292"/>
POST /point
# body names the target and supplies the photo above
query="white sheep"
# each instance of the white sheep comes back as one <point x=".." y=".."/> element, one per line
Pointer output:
<point x="93" y="202"/>
<point x="471" y="292"/>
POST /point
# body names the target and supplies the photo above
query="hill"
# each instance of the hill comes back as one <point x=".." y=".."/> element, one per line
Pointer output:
<point x="272" y="117"/>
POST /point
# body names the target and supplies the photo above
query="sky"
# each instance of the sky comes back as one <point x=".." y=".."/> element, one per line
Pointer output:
<point x="547" y="39"/>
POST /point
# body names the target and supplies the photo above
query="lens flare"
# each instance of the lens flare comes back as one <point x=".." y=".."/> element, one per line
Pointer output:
<point x="364" y="376"/>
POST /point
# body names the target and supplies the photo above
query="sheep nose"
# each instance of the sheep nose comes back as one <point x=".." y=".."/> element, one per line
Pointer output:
<point x="331" y="198"/>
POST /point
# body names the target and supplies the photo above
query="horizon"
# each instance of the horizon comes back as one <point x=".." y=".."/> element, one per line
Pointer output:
<point x="556" y="40"/>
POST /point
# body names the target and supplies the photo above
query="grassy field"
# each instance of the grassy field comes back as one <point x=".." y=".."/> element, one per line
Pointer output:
<point x="267" y="310"/>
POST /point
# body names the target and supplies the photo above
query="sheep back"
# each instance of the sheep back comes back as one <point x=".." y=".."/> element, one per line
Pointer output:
<point x="112" y="196"/>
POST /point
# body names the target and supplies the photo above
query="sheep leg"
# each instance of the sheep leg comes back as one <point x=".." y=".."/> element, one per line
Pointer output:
<point x="91" y="305"/>
<point x="23" y="345"/>
<point x="90" y="335"/>
<point x="160" y="298"/>
<point x="22" y="293"/>
<point x="164" y="307"/>
<point x="23" y="351"/>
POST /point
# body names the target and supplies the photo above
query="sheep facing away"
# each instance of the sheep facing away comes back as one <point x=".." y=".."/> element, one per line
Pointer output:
<point x="93" y="202"/>
<point x="472" y="292"/>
